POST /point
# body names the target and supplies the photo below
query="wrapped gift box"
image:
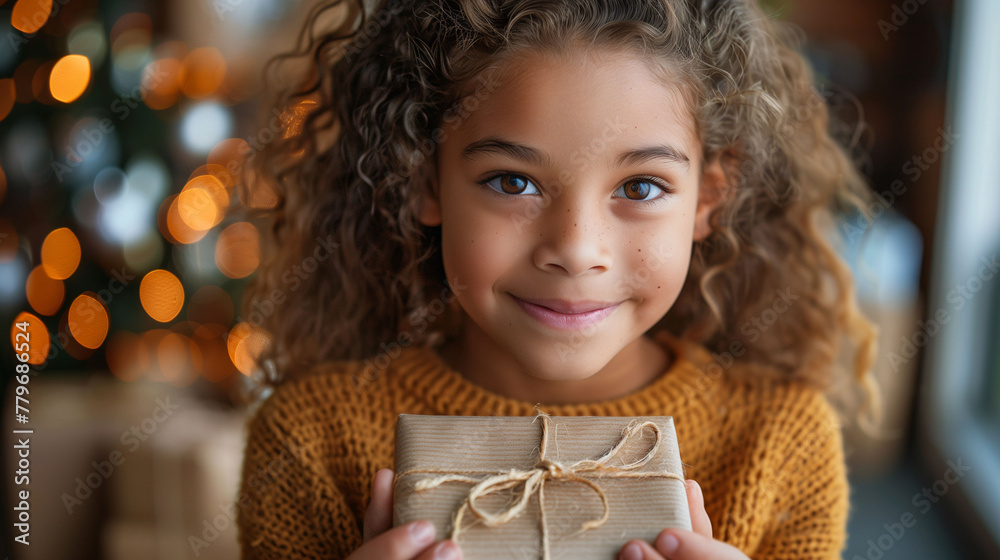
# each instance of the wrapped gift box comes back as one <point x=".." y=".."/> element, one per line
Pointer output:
<point x="543" y="487"/>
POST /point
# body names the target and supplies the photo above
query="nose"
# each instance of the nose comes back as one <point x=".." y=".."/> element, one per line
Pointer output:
<point x="572" y="238"/>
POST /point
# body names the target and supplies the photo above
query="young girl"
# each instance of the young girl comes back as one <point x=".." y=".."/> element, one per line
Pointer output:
<point x="603" y="207"/>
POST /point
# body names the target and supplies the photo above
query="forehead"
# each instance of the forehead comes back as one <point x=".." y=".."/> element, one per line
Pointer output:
<point x="573" y="101"/>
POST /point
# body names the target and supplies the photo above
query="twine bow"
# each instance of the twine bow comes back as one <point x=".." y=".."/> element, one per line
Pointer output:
<point x="534" y="481"/>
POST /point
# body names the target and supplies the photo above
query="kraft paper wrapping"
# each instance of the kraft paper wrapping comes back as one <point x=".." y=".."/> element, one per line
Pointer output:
<point x="640" y="502"/>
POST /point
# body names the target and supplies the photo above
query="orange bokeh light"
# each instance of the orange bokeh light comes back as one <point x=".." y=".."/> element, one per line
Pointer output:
<point x="37" y="339"/>
<point x="88" y="320"/>
<point x="161" y="295"/>
<point x="127" y="355"/>
<point x="237" y="252"/>
<point x="203" y="202"/>
<point x="69" y="77"/>
<point x="245" y="342"/>
<point x="45" y="294"/>
<point x="28" y="16"/>
<point x="218" y="172"/>
<point x="8" y="95"/>
<point x="161" y="83"/>
<point x="40" y="83"/>
<point x="132" y="30"/>
<point x="179" y="359"/>
<point x="216" y="363"/>
<point x="173" y="227"/>
<point x="202" y="72"/>
<point x="60" y="254"/>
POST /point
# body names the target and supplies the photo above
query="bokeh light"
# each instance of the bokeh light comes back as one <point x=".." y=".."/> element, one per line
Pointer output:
<point x="237" y="252"/>
<point x="28" y="16"/>
<point x="8" y="95"/>
<point x="203" y="202"/>
<point x="216" y="364"/>
<point x="179" y="359"/>
<point x="87" y="39"/>
<point x="245" y="343"/>
<point x="161" y="83"/>
<point x="45" y="294"/>
<point x="133" y="30"/>
<point x="202" y="72"/>
<point x="88" y="320"/>
<point x="173" y="227"/>
<point x="144" y="254"/>
<point x="127" y="355"/>
<point x="37" y="338"/>
<point x="204" y="125"/>
<point x="69" y="77"/>
<point x="40" y="83"/>
<point x="161" y="294"/>
<point x="60" y="254"/>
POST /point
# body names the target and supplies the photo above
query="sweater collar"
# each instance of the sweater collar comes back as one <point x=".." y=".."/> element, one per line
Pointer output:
<point x="425" y="375"/>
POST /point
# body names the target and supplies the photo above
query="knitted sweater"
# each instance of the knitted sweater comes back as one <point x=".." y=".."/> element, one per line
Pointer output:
<point x="767" y="452"/>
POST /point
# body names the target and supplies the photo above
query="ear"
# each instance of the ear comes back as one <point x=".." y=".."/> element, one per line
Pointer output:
<point x="713" y="189"/>
<point x="429" y="202"/>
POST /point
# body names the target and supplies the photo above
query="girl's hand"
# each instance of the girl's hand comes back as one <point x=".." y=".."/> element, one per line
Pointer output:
<point x="413" y="541"/>
<point x="680" y="544"/>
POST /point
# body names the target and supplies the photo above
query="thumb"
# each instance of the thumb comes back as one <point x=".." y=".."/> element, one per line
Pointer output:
<point x="681" y="544"/>
<point x="378" y="516"/>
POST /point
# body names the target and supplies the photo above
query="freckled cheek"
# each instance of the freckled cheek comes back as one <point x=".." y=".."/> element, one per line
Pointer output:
<point x="659" y="272"/>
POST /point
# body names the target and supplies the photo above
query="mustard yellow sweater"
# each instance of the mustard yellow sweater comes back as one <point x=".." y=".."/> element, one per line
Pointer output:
<point x="767" y="453"/>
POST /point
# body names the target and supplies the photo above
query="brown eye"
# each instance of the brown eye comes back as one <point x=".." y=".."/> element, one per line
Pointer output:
<point x="636" y="190"/>
<point x="512" y="184"/>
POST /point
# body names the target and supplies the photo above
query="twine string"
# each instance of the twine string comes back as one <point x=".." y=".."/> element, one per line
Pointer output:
<point x="533" y="480"/>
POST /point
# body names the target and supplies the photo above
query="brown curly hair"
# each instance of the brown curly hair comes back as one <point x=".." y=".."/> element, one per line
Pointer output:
<point x="380" y="84"/>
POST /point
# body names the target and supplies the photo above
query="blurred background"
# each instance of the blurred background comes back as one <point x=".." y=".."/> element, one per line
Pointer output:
<point x="123" y="256"/>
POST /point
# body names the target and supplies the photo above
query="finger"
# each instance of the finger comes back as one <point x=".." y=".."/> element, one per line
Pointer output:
<point x="399" y="543"/>
<point x="688" y="545"/>
<point x="444" y="550"/>
<point x="700" y="522"/>
<point x="638" y="549"/>
<point x="378" y="516"/>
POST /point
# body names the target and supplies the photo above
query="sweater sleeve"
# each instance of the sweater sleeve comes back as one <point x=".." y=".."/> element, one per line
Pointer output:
<point x="290" y="506"/>
<point x="810" y="488"/>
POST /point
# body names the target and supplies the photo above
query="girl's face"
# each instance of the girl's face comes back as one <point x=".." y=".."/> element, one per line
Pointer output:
<point x="575" y="185"/>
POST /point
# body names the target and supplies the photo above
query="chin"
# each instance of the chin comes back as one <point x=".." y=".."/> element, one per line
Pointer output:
<point x="566" y="364"/>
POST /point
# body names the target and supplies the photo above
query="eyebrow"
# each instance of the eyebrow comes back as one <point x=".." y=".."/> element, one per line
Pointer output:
<point x="637" y="156"/>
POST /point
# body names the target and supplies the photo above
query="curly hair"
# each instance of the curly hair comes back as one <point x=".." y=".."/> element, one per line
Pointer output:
<point x="382" y="83"/>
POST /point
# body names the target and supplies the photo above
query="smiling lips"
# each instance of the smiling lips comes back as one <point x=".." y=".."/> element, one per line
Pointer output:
<point x="564" y="314"/>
